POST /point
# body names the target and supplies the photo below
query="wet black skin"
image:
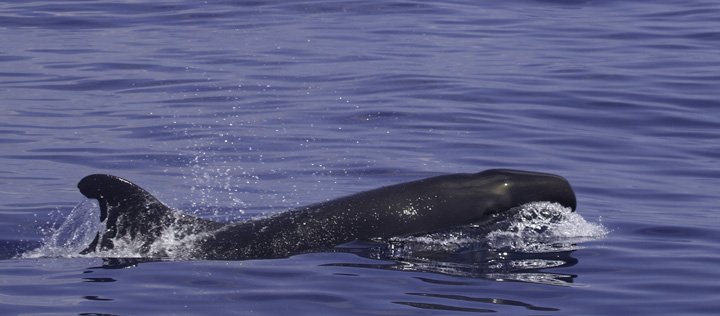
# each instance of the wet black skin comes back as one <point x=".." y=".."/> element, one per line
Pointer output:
<point x="403" y="209"/>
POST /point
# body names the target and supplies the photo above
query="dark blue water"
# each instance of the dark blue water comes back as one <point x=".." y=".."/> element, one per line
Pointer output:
<point x="236" y="109"/>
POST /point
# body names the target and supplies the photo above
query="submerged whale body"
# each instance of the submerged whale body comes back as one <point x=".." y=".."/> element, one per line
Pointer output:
<point x="131" y="214"/>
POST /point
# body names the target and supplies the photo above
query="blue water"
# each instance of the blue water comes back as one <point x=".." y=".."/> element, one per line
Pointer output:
<point x="237" y="109"/>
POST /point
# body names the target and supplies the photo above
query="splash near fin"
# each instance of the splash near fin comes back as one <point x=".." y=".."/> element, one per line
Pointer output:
<point x="131" y="213"/>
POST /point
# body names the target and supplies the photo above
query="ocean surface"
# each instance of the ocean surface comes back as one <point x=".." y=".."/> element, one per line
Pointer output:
<point x="231" y="110"/>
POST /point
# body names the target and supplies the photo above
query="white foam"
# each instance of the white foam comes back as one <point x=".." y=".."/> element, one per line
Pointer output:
<point x="535" y="227"/>
<point x="532" y="228"/>
<point x="544" y="227"/>
<point x="82" y="225"/>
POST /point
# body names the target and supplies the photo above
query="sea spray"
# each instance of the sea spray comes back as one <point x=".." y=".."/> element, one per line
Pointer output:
<point x="73" y="235"/>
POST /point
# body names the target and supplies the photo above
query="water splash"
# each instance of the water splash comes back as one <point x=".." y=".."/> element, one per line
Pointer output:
<point x="539" y="227"/>
<point x="74" y="235"/>
<point x="536" y="227"/>
<point x="82" y="225"/>
<point x="521" y="245"/>
<point x="543" y="227"/>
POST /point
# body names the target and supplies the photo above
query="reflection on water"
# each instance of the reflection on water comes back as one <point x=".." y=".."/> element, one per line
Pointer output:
<point x="519" y="246"/>
<point x="523" y="246"/>
<point x="488" y="265"/>
<point x="433" y="273"/>
<point x="473" y="299"/>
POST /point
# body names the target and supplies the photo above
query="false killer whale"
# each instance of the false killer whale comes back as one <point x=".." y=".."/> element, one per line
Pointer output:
<point x="132" y="214"/>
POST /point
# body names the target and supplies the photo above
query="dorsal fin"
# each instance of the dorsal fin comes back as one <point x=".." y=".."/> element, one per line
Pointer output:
<point x="132" y="213"/>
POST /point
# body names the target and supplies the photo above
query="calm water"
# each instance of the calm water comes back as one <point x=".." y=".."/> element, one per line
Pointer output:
<point x="235" y="109"/>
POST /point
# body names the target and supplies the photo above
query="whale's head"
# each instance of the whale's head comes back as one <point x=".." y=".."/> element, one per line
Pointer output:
<point x="506" y="189"/>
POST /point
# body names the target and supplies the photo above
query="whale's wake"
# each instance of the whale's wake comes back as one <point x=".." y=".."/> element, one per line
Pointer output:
<point x="536" y="227"/>
<point x="481" y="225"/>
<point x="514" y="247"/>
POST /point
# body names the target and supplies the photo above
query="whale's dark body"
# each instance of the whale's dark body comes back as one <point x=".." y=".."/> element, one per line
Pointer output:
<point x="403" y="209"/>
